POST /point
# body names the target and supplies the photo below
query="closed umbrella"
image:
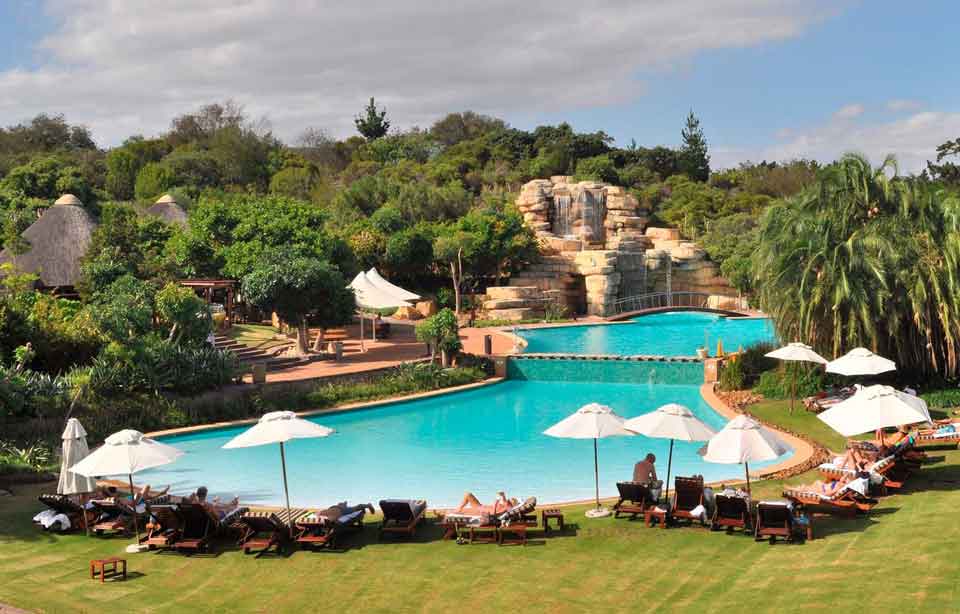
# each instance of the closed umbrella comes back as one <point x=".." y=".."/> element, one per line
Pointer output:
<point x="670" y="421"/>
<point x="124" y="453"/>
<point x="593" y="421"/>
<point x="279" y="427"/>
<point x="744" y="440"/>
<point x="860" y="361"/>
<point x="875" y="407"/>
<point x="74" y="449"/>
<point x="796" y="352"/>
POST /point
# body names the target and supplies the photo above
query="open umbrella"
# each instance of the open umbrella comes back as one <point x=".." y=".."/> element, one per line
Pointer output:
<point x="875" y="407"/>
<point x="379" y="282"/>
<point x="743" y="440"/>
<point x="124" y="453"/>
<point x="860" y="361"/>
<point x="796" y="352"/>
<point x="593" y="421"/>
<point x="74" y="449"/>
<point x="278" y="427"/>
<point x="369" y="296"/>
<point x="670" y="421"/>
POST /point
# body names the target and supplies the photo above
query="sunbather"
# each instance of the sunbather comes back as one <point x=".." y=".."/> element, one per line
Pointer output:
<point x="216" y="507"/>
<point x="471" y="504"/>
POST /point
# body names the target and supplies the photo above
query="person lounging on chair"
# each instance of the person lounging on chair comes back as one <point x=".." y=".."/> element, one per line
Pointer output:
<point x="323" y="529"/>
<point x="635" y="499"/>
<point x="844" y="496"/>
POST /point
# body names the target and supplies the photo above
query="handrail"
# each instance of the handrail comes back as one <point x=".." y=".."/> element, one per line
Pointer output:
<point x="662" y="300"/>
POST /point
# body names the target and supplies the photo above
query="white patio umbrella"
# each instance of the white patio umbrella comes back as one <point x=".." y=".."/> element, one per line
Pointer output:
<point x="74" y="449"/>
<point x="124" y="453"/>
<point x="875" y="407"/>
<point x="593" y="421"/>
<point x="369" y="296"/>
<point x="743" y="440"/>
<point x="860" y="361"/>
<point x="796" y="352"/>
<point x="670" y="421"/>
<point x="379" y="282"/>
<point x="278" y="427"/>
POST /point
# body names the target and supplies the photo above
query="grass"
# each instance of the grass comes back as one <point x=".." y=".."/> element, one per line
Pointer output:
<point x="602" y="565"/>
<point x="258" y="336"/>
<point x="777" y="412"/>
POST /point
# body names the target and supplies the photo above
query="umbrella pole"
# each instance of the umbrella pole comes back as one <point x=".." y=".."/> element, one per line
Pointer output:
<point x="286" y="493"/>
<point x="669" y="465"/>
<point x="793" y="391"/>
<point x="362" y="348"/>
<point x="596" y="472"/>
<point x="133" y="504"/>
<point x="746" y="470"/>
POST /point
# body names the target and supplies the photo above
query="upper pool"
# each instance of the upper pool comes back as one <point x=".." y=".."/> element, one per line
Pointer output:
<point x="482" y="440"/>
<point x="675" y="333"/>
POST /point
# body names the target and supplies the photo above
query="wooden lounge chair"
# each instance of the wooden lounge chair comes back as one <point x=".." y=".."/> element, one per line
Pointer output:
<point x="688" y="495"/>
<point x="199" y="526"/>
<point x="512" y="525"/>
<point x="846" y="502"/>
<point x="401" y="517"/>
<point x="774" y="520"/>
<point x="330" y="525"/>
<point x="261" y="533"/>
<point x="117" y="516"/>
<point x="634" y="499"/>
<point x="164" y="529"/>
<point x="75" y="513"/>
<point x="731" y="512"/>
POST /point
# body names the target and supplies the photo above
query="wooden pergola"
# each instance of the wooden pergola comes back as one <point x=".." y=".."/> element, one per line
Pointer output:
<point x="208" y="286"/>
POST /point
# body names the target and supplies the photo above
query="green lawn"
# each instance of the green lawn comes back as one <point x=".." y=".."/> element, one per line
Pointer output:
<point x="800" y="421"/>
<point x="258" y="336"/>
<point x="903" y="555"/>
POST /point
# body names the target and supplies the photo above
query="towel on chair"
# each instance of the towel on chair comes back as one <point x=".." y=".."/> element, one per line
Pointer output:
<point x="48" y="518"/>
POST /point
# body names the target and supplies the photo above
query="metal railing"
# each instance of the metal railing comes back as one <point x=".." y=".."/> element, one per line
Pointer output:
<point x="665" y="300"/>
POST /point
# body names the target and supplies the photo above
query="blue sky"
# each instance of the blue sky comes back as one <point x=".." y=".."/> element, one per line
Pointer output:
<point x="777" y="79"/>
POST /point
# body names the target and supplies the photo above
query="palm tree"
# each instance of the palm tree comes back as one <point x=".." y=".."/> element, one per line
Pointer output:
<point x="865" y="257"/>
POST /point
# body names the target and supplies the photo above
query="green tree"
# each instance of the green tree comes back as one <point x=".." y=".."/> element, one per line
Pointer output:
<point x="440" y="332"/>
<point x="295" y="287"/>
<point x="184" y="313"/>
<point x="866" y="258"/>
<point x="372" y="123"/>
<point x="124" y="310"/>
<point x="694" y="159"/>
<point x="153" y="180"/>
<point x="451" y="248"/>
<point x="122" y="169"/>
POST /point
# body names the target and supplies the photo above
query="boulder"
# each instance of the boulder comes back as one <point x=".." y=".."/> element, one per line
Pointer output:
<point x="663" y="234"/>
<point x="515" y="315"/>
<point x="512" y="292"/>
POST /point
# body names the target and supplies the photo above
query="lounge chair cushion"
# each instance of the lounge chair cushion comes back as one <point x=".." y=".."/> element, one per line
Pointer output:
<point x="351" y="517"/>
<point x="518" y="511"/>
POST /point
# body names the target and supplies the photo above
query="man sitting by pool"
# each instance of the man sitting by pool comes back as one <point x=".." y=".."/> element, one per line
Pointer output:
<point x="645" y="472"/>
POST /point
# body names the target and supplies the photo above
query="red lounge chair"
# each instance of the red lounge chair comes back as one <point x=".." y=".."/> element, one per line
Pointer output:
<point x="847" y="502"/>
<point x="261" y="533"/>
<point x="774" y="520"/>
<point x="688" y="494"/>
<point x="635" y="498"/>
<point x="401" y="517"/>
<point x="731" y="513"/>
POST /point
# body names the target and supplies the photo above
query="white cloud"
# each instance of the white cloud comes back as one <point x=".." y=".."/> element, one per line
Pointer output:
<point x="912" y="139"/>
<point x="850" y="111"/>
<point x="904" y="105"/>
<point x="125" y="66"/>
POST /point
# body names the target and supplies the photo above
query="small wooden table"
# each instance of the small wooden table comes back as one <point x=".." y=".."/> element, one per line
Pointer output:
<point x="545" y="517"/>
<point x="654" y="514"/>
<point x="110" y="565"/>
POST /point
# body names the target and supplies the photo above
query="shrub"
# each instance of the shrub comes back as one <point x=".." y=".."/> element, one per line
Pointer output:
<point x="731" y="374"/>
<point x="942" y="399"/>
<point x="778" y="383"/>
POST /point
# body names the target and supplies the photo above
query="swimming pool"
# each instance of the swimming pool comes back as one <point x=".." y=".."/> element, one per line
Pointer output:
<point x="676" y="333"/>
<point x="483" y="440"/>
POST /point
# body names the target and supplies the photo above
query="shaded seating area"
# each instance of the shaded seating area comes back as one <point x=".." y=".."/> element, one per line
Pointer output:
<point x="401" y="516"/>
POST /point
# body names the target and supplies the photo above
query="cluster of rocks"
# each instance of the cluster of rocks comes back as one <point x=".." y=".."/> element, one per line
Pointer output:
<point x="515" y="303"/>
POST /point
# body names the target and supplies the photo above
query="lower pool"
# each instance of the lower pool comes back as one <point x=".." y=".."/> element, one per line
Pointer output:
<point x="483" y="440"/>
<point x="676" y="333"/>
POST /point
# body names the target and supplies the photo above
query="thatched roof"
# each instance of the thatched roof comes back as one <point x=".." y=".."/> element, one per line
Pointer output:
<point x="68" y="199"/>
<point x="58" y="240"/>
<point x="167" y="209"/>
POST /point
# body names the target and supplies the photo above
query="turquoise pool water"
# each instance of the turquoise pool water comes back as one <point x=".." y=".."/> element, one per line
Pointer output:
<point x="677" y="333"/>
<point x="481" y="440"/>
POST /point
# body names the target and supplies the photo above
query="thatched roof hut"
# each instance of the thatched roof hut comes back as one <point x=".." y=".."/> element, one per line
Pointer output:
<point x="58" y="241"/>
<point x="167" y="209"/>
